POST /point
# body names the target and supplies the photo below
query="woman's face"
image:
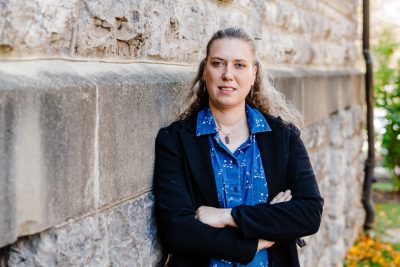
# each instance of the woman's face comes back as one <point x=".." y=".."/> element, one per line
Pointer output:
<point x="229" y="73"/>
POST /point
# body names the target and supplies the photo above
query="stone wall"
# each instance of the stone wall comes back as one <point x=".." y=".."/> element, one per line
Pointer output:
<point x="321" y="34"/>
<point x="334" y="145"/>
<point x="85" y="86"/>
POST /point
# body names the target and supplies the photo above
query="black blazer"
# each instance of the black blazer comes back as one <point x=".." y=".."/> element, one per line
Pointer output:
<point x="184" y="180"/>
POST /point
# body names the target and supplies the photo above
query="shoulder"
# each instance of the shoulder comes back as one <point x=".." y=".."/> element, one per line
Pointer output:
<point x="279" y="125"/>
<point x="175" y="127"/>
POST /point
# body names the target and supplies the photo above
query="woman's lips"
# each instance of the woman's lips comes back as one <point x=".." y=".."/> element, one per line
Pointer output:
<point x="226" y="88"/>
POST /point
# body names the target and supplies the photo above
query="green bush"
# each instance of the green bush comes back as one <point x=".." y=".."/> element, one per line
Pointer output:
<point x="387" y="97"/>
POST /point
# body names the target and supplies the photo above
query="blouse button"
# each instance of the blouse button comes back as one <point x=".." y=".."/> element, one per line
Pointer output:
<point x="235" y="189"/>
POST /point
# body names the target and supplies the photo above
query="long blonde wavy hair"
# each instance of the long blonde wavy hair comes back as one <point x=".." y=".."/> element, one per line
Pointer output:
<point x="262" y="96"/>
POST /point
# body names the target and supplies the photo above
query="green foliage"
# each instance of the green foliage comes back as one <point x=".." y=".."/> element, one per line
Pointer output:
<point x="387" y="97"/>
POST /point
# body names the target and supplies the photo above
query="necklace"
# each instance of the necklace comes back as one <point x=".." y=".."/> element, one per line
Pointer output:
<point x="226" y="138"/>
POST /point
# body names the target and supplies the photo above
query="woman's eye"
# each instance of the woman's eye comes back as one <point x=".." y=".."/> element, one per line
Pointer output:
<point x="216" y="63"/>
<point x="239" y="65"/>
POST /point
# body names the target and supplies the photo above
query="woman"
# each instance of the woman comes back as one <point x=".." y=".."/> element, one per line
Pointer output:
<point x="233" y="182"/>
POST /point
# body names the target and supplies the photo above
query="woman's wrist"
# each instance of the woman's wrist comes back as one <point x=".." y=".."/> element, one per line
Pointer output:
<point x="228" y="219"/>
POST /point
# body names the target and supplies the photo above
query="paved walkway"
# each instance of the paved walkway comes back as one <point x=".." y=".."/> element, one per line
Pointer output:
<point x="392" y="235"/>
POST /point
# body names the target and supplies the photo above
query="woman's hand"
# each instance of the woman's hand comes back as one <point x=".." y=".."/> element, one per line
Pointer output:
<point x="218" y="218"/>
<point x="282" y="197"/>
<point x="263" y="244"/>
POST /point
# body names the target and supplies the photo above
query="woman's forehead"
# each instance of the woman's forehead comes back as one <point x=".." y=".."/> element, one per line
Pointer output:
<point x="231" y="49"/>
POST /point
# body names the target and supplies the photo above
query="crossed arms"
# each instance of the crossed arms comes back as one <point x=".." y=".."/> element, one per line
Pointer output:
<point x="188" y="228"/>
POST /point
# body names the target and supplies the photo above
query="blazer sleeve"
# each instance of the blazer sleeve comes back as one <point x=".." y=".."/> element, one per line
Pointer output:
<point x="175" y="212"/>
<point x="301" y="216"/>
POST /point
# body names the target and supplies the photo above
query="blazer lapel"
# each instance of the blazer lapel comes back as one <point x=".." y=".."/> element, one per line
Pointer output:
<point x="198" y="155"/>
<point x="271" y="157"/>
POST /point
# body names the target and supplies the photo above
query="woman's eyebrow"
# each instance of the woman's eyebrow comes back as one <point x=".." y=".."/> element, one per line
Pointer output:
<point x="220" y="58"/>
<point x="236" y="59"/>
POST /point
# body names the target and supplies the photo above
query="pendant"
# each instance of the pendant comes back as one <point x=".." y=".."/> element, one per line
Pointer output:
<point x="226" y="139"/>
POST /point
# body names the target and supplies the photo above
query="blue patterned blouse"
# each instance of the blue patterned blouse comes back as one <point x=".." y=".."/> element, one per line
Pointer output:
<point x="239" y="176"/>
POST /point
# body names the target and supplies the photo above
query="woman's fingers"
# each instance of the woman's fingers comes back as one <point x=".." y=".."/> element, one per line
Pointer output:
<point x="286" y="196"/>
<point x="263" y="244"/>
<point x="282" y="197"/>
<point x="276" y="198"/>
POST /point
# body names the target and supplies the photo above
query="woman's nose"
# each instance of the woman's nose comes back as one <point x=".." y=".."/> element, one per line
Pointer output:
<point x="227" y="74"/>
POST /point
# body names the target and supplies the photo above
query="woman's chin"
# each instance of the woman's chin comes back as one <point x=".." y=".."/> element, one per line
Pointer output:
<point x="225" y="103"/>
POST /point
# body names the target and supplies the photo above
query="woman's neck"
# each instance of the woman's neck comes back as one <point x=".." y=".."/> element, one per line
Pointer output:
<point x="232" y="126"/>
<point x="229" y="118"/>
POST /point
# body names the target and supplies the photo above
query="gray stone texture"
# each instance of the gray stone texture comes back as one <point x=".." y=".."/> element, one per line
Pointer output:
<point x="78" y="136"/>
<point x="335" y="152"/>
<point x="121" y="236"/>
<point x="7" y="183"/>
<point x="319" y="94"/>
<point x="134" y="102"/>
<point x="48" y="115"/>
<point x="295" y="33"/>
<point x="37" y="27"/>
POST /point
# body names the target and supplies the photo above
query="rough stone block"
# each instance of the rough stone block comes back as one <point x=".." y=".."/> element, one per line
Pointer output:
<point x="7" y="171"/>
<point x="82" y="243"/>
<point x="336" y="229"/>
<point x="353" y="148"/>
<point x="37" y="27"/>
<point x="344" y="6"/>
<point x="316" y="134"/>
<point x="337" y="253"/>
<point x="132" y="234"/>
<point x="134" y="102"/>
<point x="305" y="255"/>
<point x="337" y="166"/>
<point x="76" y="244"/>
<point x="151" y="29"/>
<point x="354" y="222"/>
<point x="318" y="245"/>
<point x="50" y="110"/>
<point x="320" y="161"/>
<point x="324" y="188"/>
<point x="319" y="94"/>
<point x="122" y="236"/>
<point x="293" y="32"/>
<point x="325" y="260"/>
<point x="317" y="107"/>
<point x="291" y="88"/>
<point x="337" y="199"/>
<point x="358" y="118"/>
<point x="282" y="47"/>
<point x="337" y="130"/>
<point x="324" y="228"/>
